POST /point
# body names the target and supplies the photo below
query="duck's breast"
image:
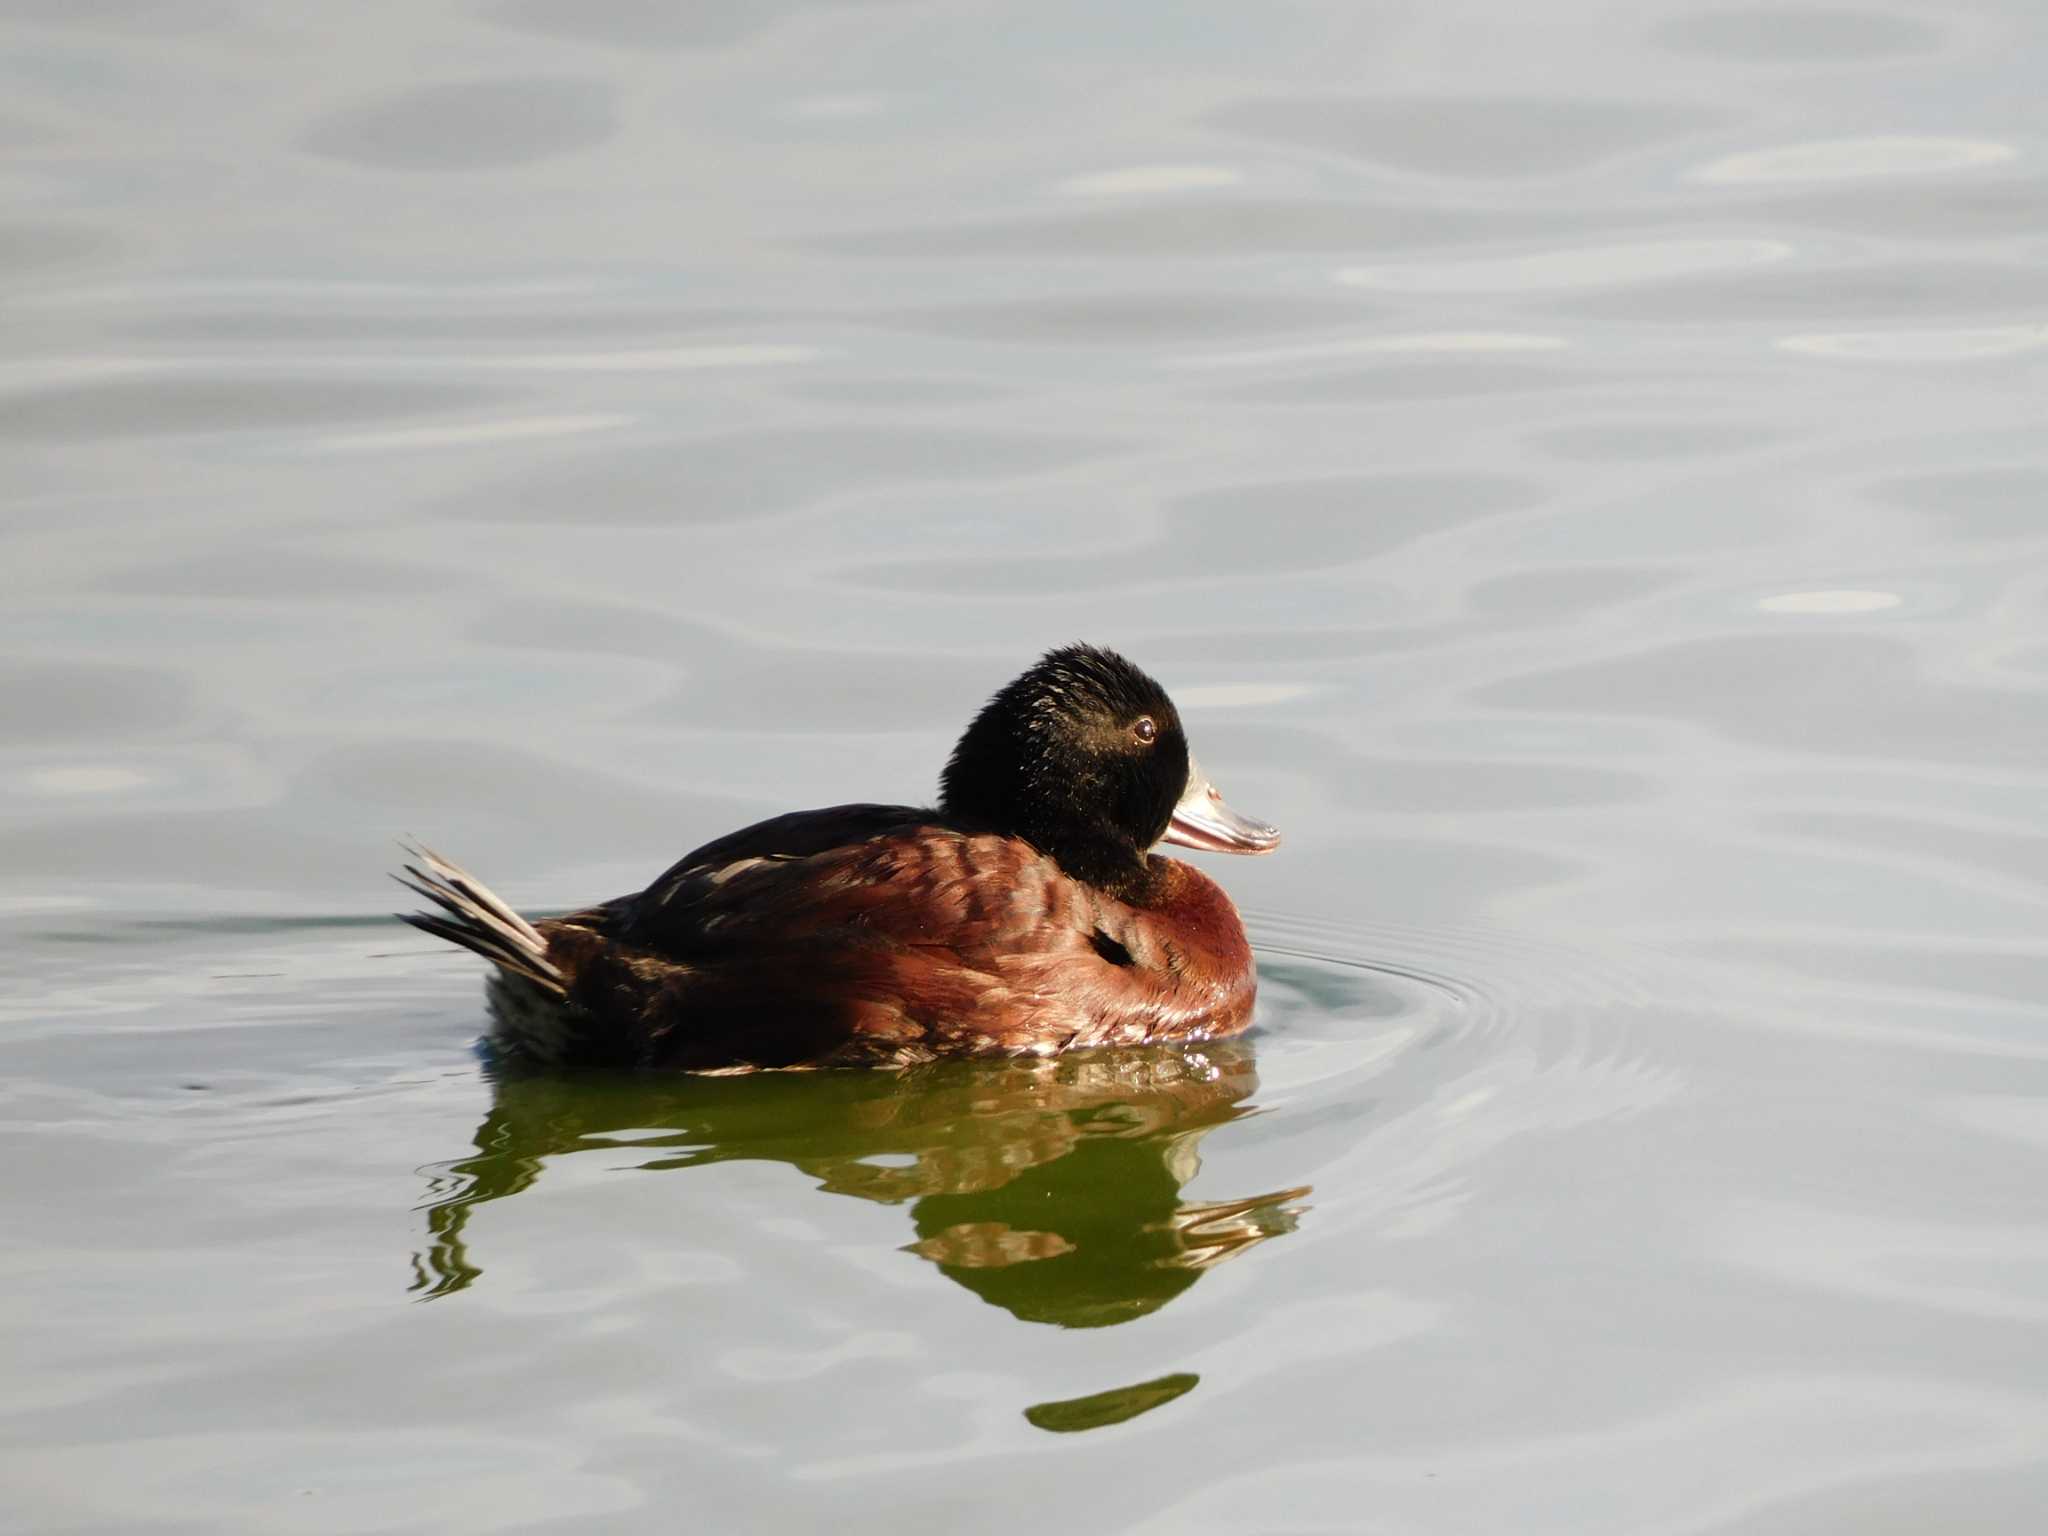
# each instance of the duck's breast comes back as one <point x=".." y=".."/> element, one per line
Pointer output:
<point x="1175" y="967"/>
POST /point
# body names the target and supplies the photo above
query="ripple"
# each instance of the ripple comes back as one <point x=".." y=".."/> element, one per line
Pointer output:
<point x="1912" y="1264"/>
<point x="1995" y="980"/>
<point x="840" y="106"/>
<point x="262" y="570"/>
<point x="74" y="701"/>
<point x="639" y="25"/>
<point x="1929" y="848"/>
<point x="1119" y="319"/>
<point x="1920" y="345"/>
<point x="1993" y="501"/>
<point x="288" y="845"/>
<point x="1304" y="525"/>
<point x="126" y="18"/>
<point x="1834" y="692"/>
<point x="1199" y="696"/>
<point x="1237" y="226"/>
<point x="1838" y="601"/>
<point x="1619" y="440"/>
<point x="31" y="248"/>
<point x="1483" y="137"/>
<point x="384" y="362"/>
<point x="1400" y="1058"/>
<point x="1798" y="35"/>
<point x="1423" y="379"/>
<point x="501" y="315"/>
<point x="1593" y="266"/>
<point x="1903" y="290"/>
<point x="83" y="779"/>
<point x="222" y="1480"/>
<point x="733" y="476"/>
<point x="656" y="359"/>
<point x="1149" y="180"/>
<point x="898" y="392"/>
<point x="1427" y="343"/>
<point x="469" y="434"/>
<point x="115" y="407"/>
<point x="1482" y="972"/>
<point x="1555" y="592"/>
<point x="1972" y="212"/>
<point x="1824" y="1448"/>
<point x="1857" y="159"/>
<point x="2015" y="1117"/>
<point x="473" y="125"/>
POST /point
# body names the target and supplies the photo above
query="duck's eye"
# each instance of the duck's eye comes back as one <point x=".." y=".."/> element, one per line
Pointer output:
<point x="1145" y="730"/>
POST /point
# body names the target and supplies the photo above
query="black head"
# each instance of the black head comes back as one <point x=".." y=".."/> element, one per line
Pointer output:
<point x="1083" y="757"/>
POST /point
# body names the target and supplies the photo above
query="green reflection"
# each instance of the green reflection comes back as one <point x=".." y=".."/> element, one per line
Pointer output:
<point x="1111" y="1407"/>
<point x="1048" y="1188"/>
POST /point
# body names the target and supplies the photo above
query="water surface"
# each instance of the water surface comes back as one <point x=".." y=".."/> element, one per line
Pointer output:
<point x="1579" y="470"/>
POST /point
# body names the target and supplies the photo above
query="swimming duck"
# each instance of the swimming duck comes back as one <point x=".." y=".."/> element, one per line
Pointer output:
<point x="1025" y="915"/>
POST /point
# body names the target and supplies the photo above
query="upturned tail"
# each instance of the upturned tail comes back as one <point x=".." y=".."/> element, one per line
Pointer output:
<point x="478" y="920"/>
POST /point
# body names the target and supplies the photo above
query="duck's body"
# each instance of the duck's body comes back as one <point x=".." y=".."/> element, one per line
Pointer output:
<point x="879" y="935"/>
<point x="872" y="935"/>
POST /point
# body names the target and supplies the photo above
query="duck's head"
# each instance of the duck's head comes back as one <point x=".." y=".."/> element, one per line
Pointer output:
<point x="1084" y="757"/>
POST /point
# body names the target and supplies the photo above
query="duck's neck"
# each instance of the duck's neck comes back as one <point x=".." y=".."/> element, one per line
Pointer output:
<point x="1111" y="866"/>
<point x="1096" y="855"/>
<point x="1103" y="856"/>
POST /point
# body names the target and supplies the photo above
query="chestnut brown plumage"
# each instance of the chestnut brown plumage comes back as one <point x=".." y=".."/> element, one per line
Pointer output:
<point x="1025" y="915"/>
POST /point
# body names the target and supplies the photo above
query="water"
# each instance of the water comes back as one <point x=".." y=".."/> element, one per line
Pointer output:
<point x="1580" y="470"/>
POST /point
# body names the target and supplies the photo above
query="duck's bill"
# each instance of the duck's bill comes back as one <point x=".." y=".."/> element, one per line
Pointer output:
<point x="1203" y="820"/>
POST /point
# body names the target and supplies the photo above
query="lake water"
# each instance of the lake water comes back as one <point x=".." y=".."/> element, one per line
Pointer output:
<point x="1581" y="469"/>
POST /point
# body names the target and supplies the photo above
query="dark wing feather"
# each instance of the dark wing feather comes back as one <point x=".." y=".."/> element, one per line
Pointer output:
<point x="796" y="835"/>
<point x="677" y="912"/>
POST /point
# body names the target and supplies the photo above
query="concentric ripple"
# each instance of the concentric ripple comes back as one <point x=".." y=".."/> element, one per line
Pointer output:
<point x="1397" y="1058"/>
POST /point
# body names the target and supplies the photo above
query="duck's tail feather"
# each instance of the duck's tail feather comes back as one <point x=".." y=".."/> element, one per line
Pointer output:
<point x="478" y="920"/>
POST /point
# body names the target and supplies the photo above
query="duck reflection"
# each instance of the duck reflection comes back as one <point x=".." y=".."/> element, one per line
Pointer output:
<point x="1048" y="1188"/>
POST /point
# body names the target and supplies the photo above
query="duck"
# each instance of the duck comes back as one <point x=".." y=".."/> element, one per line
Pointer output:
<point x="1027" y="913"/>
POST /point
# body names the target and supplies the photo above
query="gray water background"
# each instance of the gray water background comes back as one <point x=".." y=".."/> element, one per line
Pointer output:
<point x="1579" y="466"/>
